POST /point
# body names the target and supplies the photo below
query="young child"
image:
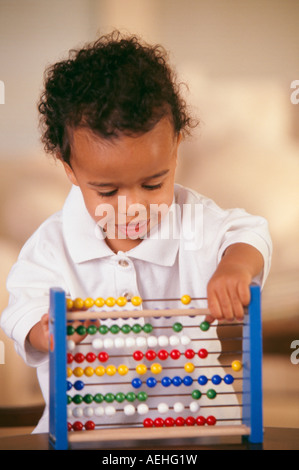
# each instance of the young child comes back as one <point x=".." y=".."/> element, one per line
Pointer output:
<point x="113" y="115"/>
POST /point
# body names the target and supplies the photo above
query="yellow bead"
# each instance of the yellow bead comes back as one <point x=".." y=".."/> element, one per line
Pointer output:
<point x="100" y="371"/>
<point x="136" y="300"/>
<point x="69" y="372"/>
<point x="156" y="368"/>
<point x="121" y="301"/>
<point x="69" y="304"/>
<point x="88" y="303"/>
<point x="99" y="302"/>
<point x="236" y="366"/>
<point x="111" y="370"/>
<point x="189" y="367"/>
<point x="78" y="303"/>
<point x="122" y="369"/>
<point x="186" y="299"/>
<point x="110" y="302"/>
<point x="141" y="369"/>
<point x="89" y="371"/>
<point x="78" y="371"/>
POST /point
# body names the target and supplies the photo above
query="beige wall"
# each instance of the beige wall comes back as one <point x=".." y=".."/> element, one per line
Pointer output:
<point x="239" y="59"/>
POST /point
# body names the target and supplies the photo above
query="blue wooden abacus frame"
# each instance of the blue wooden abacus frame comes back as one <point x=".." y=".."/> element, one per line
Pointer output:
<point x="252" y="416"/>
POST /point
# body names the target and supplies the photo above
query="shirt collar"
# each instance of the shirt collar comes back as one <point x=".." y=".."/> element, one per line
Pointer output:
<point x="85" y="240"/>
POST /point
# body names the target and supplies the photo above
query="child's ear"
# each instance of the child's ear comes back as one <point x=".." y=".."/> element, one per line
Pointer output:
<point x="69" y="173"/>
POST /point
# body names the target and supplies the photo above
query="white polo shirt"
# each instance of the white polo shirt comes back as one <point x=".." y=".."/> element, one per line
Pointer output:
<point x="69" y="251"/>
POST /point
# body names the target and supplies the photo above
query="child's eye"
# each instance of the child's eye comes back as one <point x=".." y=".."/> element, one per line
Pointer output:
<point x="108" y="194"/>
<point x="151" y="187"/>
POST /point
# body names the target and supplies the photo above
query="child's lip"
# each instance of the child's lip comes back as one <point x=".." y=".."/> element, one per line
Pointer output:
<point x="133" y="227"/>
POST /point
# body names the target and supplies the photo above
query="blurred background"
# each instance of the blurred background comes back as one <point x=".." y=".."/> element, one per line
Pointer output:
<point x="239" y="60"/>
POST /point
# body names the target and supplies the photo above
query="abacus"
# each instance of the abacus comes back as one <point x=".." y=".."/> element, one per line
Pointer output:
<point x="135" y="374"/>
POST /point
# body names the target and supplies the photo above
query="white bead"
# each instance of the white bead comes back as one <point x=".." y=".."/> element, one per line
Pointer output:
<point x="71" y="345"/>
<point x="88" y="411"/>
<point x="141" y="341"/>
<point x="97" y="343"/>
<point x="130" y="342"/>
<point x="119" y="343"/>
<point x="77" y="412"/>
<point x="174" y="340"/>
<point x="163" y="341"/>
<point x="110" y="411"/>
<point x="194" y="406"/>
<point x="163" y="407"/>
<point x="152" y="341"/>
<point x="129" y="410"/>
<point x="185" y="340"/>
<point x="178" y="407"/>
<point x="142" y="409"/>
<point x="69" y="413"/>
<point x="108" y="343"/>
<point x="99" y="411"/>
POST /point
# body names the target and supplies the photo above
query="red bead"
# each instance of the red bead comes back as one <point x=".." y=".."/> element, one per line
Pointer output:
<point x="169" y="422"/>
<point x="90" y="357"/>
<point x="159" y="422"/>
<point x="150" y="355"/>
<point x="190" y="421"/>
<point x="103" y="356"/>
<point x="70" y="358"/>
<point x="189" y="354"/>
<point x="79" y="357"/>
<point x="138" y="355"/>
<point x="77" y="426"/>
<point x="211" y="420"/>
<point x="200" y="421"/>
<point x="69" y="426"/>
<point x="175" y="354"/>
<point x="202" y="353"/>
<point x="179" y="421"/>
<point x="148" y="423"/>
<point x="89" y="425"/>
<point x="163" y="354"/>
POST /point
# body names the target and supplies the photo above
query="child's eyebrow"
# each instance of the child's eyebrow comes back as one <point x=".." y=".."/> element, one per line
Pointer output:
<point x="103" y="185"/>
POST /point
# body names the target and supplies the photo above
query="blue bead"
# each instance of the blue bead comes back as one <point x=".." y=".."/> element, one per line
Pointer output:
<point x="79" y="385"/>
<point x="69" y="385"/>
<point x="136" y="383"/>
<point x="202" y="380"/>
<point x="176" y="381"/>
<point x="228" y="379"/>
<point x="188" y="380"/>
<point x="166" y="381"/>
<point x="151" y="382"/>
<point x="216" y="379"/>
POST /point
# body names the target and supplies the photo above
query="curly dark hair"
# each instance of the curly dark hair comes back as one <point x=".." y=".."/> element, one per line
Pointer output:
<point x="113" y="86"/>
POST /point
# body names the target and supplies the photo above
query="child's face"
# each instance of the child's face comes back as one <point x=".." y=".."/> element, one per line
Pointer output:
<point x="122" y="179"/>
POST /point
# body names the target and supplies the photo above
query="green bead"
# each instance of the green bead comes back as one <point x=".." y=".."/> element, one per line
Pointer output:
<point x="103" y="329"/>
<point x="211" y="394"/>
<point x="120" y="397"/>
<point x="142" y="396"/>
<point x="109" y="397"/>
<point x="126" y="329"/>
<point x="69" y="400"/>
<point x="204" y="326"/>
<point x="114" y="329"/>
<point x="196" y="394"/>
<point x="136" y="328"/>
<point x="131" y="396"/>
<point x="81" y="330"/>
<point x="98" y="398"/>
<point x="70" y="330"/>
<point x="177" y="327"/>
<point x="92" y="329"/>
<point x="147" y="328"/>
<point x="77" y="399"/>
<point x="88" y="398"/>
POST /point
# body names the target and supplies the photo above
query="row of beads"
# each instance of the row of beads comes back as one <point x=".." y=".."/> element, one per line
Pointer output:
<point x="108" y="398"/>
<point x="130" y="410"/>
<point x="150" y="355"/>
<point x="139" y="342"/>
<point x="80" y="304"/>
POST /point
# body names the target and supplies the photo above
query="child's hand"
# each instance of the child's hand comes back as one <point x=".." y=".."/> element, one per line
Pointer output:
<point x="229" y="288"/>
<point x="38" y="336"/>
